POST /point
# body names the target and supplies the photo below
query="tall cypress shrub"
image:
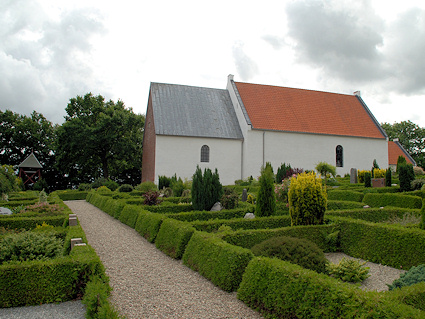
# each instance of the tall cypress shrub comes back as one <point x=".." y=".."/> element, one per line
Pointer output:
<point x="206" y="189"/>
<point x="266" y="199"/>
<point x="406" y="176"/>
<point x="197" y="190"/>
<point x="388" y="177"/>
<point x="367" y="179"/>
<point x="401" y="160"/>
<point x="217" y="188"/>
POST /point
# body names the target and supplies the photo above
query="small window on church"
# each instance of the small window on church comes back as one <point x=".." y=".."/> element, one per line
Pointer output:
<point x="339" y="157"/>
<point x="205" y="154"/>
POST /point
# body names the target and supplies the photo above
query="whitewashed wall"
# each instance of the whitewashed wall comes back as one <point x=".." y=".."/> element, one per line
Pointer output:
<point x="307" y="150"/>
<point x="180" y="155"/>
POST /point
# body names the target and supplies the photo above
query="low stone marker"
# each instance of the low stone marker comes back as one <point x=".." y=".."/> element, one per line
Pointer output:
<point x="73" y="221"/>
<point x="249" y="216"/>
<point x="353" y="176"/>
<point x="5" y="211"/>
<point x="378" y="182"/>
<point x="244" y="195"/>
<point x="217" y="206"/>
<point x="76" y="241"/>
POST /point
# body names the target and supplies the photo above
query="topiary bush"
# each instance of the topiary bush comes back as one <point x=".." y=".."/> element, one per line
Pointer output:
<point x="307" y="200"/>
<point x="295" y="250"/>
<point x="349" y="270"/>
<point x="266" y="199"/>
<point x="146" y="187"/>
<point x="413" y="276"/>
<point x="125" y="188"/>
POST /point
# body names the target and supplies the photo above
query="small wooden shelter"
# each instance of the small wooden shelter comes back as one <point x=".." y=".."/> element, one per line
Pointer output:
<point x="30" y="170"/>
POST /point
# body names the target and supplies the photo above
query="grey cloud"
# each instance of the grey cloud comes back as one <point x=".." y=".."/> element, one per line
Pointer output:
<point x="337" y="39"/>
<point x="276" y="42"/>
<point x="43" y="61"/>
<point x="246" y="67"/>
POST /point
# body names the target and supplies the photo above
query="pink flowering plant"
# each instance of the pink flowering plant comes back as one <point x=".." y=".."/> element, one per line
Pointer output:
<point x="281" y="190"/>
<point x="43" y="208"/>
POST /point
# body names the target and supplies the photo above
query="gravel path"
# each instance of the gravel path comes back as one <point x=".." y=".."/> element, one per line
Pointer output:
<point x="147" y="283"/>
<point x="63" y="310"/>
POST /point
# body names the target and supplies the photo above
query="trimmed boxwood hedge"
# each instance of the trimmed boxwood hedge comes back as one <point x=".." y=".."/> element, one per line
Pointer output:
<point x="390" y="245"/>
<point x="413" y="295"/>
<point x="279" y="289"/>
<point x="148" y="224"/>
<point x="47" y="281"/>
<point x="72" y="194"/>
<point x="242" y="223"/>
<point x="12" y="222"/>
<point x="173" y="237"/>
<point x="207" y="215"/>
<point x="375" y="215"/>
<point x="216" y="260"/>
<point x="169" y="208"/>
<point x="248" y="238"/>
<point x="130" y="214"/>
<point x="395" y="200"/>
<point x="343" y="204"/>
<point x="345" y="195"/>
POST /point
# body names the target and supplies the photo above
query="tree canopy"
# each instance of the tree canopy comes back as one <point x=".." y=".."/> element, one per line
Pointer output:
<point x="100" y="139"/>
<point x="411" y="136"/>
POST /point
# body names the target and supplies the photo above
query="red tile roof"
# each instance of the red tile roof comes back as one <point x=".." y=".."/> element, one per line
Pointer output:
<point x="394" y="151"/>
<point x="298" y="110"/>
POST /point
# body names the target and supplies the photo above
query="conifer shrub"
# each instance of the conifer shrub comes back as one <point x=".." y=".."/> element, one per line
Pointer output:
<point x="283" y="172"/>
<point x="146" y="187"/>
<point x="298" y="251"/>
<point x="401" y="160"/>
<point x="350" y="270"/>
<point x="388" y="177"/>
<point x="266" y="199"/>
<point x="406" y="176"/>
<point x="411" y="277"/>
<point x="229" y="200"/>
<point x="307" y="200"/>
<point x="206" y="189"/>
<point x="367" y="179"/>
<point x="125" y="188"/>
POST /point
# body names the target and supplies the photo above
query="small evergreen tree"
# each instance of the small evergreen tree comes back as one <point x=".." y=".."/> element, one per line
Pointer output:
<point x="307" y="200"/>
<point x="282" y="172"/>
<point x="401" y="160"/>
<point x="324" y="169"/>
<point x="266" y="200"/>
<point x="206" y="189"/>
<point x="406" y="176"/>
<point x="197" y="190"/>
<point x="367" y="179"/>
<point x="388" y="177"/>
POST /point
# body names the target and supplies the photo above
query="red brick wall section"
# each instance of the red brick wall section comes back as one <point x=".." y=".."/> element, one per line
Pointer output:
<point x="149" y="139"/>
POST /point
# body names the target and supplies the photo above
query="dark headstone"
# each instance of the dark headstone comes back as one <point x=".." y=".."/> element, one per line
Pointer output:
<point x="244" y="195"/>
<point x="353" y="176"/>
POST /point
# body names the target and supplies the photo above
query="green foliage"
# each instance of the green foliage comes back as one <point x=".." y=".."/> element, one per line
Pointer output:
<point x="342" y="204"/>
<point x="350" y="270"/>
<point x="401" y="160"/>
<point x="395" y="200"/>
<point x="406" y="176"/>
<point x="216" y="260"/>
<point x="40" y="184"/>
<point x="129" y="215"/>
<point x="8" y="179"/>
<point x="29" y="246"/>
<point x="266" y="199"/>
<point x="206" y="189"/>
<point x="178" y="187"/>
<point x="173" y="237"/>
<point x="422" y="223"/>
<point x="84" y="187"/>
<point x="345" y="195"/>
<point x="207" y="215"/>
<point x="388" y="177"/>
<point x="411" y="277"/>
<point x="375" y="215"/>
<point x="367" y="179"/>
<point x="72" y="194"/>
<point x="152" y="198"/>
<point x="283" y="172"/>
<point x="307" y="200"/>
<point x="417" y="183"/>
<point x="42" y="197"/>
<point x="148" y="225"/>
<point x="229" y="200"/>
<point x="146" y="187"/>
<point x="125" y="188"/>
<point x="379" y="173"/>
<point x="279" y="289"/>
<point x="295" y="250"/>
<point x="410" y="295"/>
<point x="324" y="169"/>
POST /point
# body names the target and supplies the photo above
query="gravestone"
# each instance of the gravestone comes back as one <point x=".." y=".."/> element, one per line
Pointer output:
<point x="353" y="176"/>
<point x="217" y="206"/>
<point x="5" y="211"/>
<point x="249" y="216"/>
<point x="75" y="241"/>
<point x="73" y="221"/>
<point x="244" y="195"/>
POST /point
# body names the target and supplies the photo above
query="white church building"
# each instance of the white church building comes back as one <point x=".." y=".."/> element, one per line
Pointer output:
<point x="240" y="128"/>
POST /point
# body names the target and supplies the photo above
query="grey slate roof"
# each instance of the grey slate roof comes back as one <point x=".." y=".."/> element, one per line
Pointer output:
<point x="31" y="161"/>
<point x="183" y="110"/>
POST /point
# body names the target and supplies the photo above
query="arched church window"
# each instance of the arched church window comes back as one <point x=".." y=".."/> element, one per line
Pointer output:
<point x="205" y="154"/>
<point x="339" y="156"/>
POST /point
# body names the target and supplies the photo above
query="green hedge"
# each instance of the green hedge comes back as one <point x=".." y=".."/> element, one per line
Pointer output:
<point x="115" y="208"/>
<point x="12" y="222"/>
<point x="375" y="215"/>
<point x="169" y="208"/>
<point x="148" y="224"/>
<point x="173" y="237"/>
<point x="410" y="295"/>
<point x="72" y="195"/>
<point x="345" y="195"/>
<point x="279" y="289"/>
<point x="248" y="238"/>
<point x="343" y="204"/>
<point x="130" y="214"/>
<point x="217" y="260"/>
<point x="207" y="215"/>
<point x="242" y="223"/>
<point x="73" y="232"/>
<point x="389" y="245"/>
<point x="56" y="280"/>
<point x="16" y="203"/>
<point x="395" y="200"/>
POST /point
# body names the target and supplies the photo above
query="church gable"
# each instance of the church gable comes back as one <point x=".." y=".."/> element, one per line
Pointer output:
<point x="299" y="110"/>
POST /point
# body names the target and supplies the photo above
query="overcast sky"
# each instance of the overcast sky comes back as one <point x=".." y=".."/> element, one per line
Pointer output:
<point x="51" y="51"/>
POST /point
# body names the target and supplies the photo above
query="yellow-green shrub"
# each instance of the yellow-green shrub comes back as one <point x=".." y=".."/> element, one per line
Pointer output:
<point x="307" y="200"/>
<point x="379" y="173"/>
